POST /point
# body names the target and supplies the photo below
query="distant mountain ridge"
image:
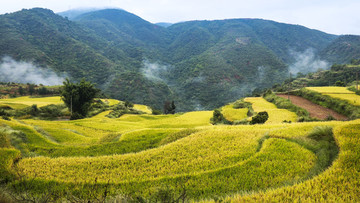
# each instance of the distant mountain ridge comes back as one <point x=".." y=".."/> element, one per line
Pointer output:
<point x="199" y="64"/>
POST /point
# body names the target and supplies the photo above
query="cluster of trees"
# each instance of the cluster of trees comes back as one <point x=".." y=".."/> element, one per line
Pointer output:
<point x="78" y="97"/>
<point x="169" y="107"/>
<point x="16" y="89"/>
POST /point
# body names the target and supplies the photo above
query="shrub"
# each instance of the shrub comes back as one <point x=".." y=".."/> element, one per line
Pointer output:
<point x="51" y="111"/>
<point x="76" y="116"/>
<point x="260" y="118"/>
<point x="340" y="83"/>
<point x="121" y="109"/>
<point x="156" y="112"/>
<point x="218" y="118"/>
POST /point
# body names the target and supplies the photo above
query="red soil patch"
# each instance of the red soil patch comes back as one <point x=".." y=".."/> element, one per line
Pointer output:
<point x="315" y="111"/>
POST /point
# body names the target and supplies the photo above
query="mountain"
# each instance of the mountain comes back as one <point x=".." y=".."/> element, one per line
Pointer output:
<point x="49" y="40"/>
<point x="164" y="24"/>
<point x="73" y="13"/>
<point x="199" y="64"/>
<point x="342" y="50"/>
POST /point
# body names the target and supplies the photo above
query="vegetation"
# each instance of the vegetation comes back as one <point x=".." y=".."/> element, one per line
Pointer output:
<point x="204" y="64"/>
<point x="259" y="118"/>
<point x="276" y="115"/>
<point x="234" y="114"/>
<point x="123" y="108"/>
<point x="177" y="156"/>
<point x="218" y="118"/>
<point x="338" y="105"/>
<point x="344" y="74"/>
<point x="339" y="92"/>
<point x="78" y="97"/>
<point x="282" y="103"/>
<point x="335" y="184"/>
<point x="126" y="152"/>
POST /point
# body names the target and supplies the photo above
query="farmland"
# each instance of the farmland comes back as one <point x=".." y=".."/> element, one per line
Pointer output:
<point x="143" y="155"/>
<point x="338" y="92"/>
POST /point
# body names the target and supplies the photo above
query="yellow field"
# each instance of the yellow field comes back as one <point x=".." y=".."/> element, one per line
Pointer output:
<point x="28" y="101"/>
<point x="338" y="92"/>
<point x="110" y="102"/>
<point x="142" y="108"/>
<point x="232" y="114"/>
<point x="339" y="183"/>
<point x="331" y="90"/>
<point x="275" y="115"/>
<point x="138" y="154"/>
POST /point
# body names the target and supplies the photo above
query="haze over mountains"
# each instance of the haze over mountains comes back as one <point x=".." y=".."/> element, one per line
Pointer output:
<point x="199" y="64"/>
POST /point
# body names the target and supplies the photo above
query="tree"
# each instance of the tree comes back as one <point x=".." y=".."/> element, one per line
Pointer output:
<point x="169" y="108"/>
<point x="31" y="88"/>
<point x="78" y="97"/>
<point x="218" y="118"/>
<point x="21" y="90"/>
<point x="260" y="118"/>
<point x="340" y="83"/>
<point x="129" y="104"/>
<point x="43" y="91"/>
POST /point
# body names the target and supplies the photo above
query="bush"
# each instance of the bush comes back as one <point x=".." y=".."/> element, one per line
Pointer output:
<point x="34" y="110"/>
<point x="156" y="112"/>
<point x="121" y="109"/>
<point x="51" y="111"/>
<point x="260" y="118"/>
<point x="76" y="116"/>
<point x="129" y="104"/>
<point x="340" y="83"/>
<point x="218" y="118"/>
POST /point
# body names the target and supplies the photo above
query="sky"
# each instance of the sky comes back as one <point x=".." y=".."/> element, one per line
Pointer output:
<point x="331" y="16"/>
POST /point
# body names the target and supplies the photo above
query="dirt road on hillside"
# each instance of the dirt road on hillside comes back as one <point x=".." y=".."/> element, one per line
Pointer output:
<point x="316" y="111"/>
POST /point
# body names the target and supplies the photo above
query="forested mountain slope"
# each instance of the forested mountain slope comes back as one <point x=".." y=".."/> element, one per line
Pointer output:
<point x="199" y="64"/>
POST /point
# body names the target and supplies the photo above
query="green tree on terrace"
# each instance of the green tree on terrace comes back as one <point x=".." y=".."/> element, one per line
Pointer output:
<point x="78" y="97"/>
<point x="169" y="107"/>
<point x="31" y="89"/>
<point x="21" y="90"/>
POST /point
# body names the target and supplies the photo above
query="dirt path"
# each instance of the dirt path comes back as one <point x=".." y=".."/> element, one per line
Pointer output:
<point x="316" y="111"/>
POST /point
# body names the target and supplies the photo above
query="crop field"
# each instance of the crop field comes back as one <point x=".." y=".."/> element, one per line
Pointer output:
<point x="338" y="92"/>
<point x="144" y="156"/>
<point x="275" y="115"/>
<point x="28" y="101"/>
<point x="232" y="114"/>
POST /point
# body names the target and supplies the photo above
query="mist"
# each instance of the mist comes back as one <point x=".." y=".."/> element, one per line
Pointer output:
<point x="26" y="72"/>
<point x="306" y="62"/>
<point x="155" y="71"/>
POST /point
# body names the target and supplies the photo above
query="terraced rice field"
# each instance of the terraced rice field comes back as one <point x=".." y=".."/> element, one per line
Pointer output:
<point x="338" y="92"/>
<point x="28" y="101"/>
<point x="275" y="115"/>
<point x="232" y="114"/>
<point x="315" y="110"/>
<point x="139" y="155"/>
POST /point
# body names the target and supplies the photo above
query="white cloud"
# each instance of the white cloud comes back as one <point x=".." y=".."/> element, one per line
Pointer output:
<point x="25" y="72"/>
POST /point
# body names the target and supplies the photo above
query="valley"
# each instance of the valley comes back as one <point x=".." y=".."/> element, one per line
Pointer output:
<point x="132" y="59"/>
<point x="235" y="110"/>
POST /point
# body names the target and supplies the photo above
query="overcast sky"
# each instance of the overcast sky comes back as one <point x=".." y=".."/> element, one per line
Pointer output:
<point x="331" y="16"/>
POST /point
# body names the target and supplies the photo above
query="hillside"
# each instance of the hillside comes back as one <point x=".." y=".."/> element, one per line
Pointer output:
<point x="194" y="63"/>
<point x="343" y="73"/>
<point x="342" y="50"/>
<point x="182" y="156"/>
